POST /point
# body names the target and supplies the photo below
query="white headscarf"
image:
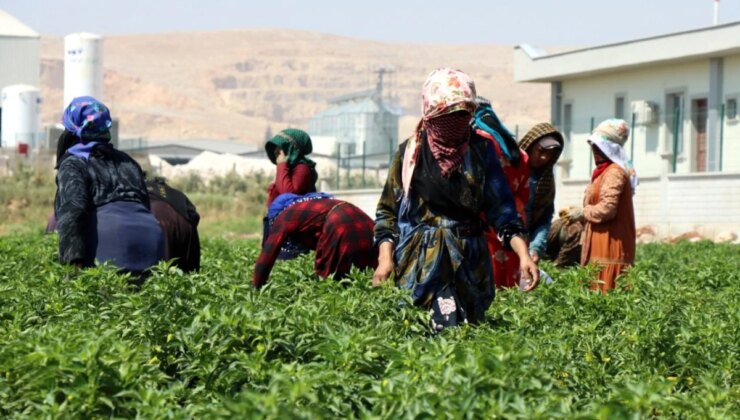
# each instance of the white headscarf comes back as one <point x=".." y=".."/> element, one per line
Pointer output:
<point x="609" y="136"/>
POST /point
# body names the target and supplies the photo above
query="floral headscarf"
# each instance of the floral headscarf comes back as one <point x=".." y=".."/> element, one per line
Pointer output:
<point x="445" y="91"/>
<point x="88" y="119"/>
<point x="609" y="136"/>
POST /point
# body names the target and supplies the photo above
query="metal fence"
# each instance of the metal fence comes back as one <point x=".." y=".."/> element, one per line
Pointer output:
<point x="133" y="144"/>
<point x="362" y="170"/>
<point x="684" y="139"/>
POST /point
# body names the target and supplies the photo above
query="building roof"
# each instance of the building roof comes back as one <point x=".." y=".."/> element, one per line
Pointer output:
<point x="532" y="65"/>
<point x="12" y="27"/>
<point x="368" y="93"/>
<point x="216" y="146"/>
<point x="367" y="105"/>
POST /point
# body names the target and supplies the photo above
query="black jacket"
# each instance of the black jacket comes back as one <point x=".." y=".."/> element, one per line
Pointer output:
<point x="83" y="185"/>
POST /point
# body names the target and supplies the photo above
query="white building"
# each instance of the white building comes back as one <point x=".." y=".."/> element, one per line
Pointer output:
<point x="19" y="54"/>
<point x="680" y="93"/>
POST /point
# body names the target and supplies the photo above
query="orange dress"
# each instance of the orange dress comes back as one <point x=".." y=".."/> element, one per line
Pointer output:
<point x="505" y="262"/>
<point x="609" y="234"/>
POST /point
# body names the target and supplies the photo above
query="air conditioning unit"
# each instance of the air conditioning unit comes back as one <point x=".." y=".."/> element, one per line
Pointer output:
<point x="645" y="112"/>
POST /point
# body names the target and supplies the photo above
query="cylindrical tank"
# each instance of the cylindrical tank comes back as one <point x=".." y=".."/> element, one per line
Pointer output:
<point x="83" y="66"/>
<point x="21" y="108"/>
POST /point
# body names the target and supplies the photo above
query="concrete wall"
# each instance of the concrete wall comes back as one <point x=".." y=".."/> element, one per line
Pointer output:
<point x="367" y="200"/>
<point x="706" y="203"/>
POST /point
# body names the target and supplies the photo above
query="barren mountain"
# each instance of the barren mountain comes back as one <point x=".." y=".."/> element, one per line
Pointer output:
<point x="233" y="84"/>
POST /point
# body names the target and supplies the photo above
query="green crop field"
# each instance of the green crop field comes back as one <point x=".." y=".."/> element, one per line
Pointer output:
<point x="87" y="344"/>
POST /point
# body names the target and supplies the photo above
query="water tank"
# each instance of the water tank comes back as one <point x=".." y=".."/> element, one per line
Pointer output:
<point x="21" y="109"/>
<point x="83" y="66"/>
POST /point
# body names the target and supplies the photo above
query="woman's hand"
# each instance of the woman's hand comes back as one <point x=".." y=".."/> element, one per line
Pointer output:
<point x="575" y="214"/>
<point x="529" y="271"/>
<point x="382" y="273"/>
<point x="385" y="264"/>
<point x="528" y="268"/>
<point x="280" y="156"/>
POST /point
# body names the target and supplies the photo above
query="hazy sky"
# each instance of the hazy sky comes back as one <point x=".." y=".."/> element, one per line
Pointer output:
<point x="538" y="22"/>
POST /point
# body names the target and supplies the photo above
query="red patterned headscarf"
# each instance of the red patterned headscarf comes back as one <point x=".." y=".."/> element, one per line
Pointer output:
<point x="444" y="92"/>
<point x="448" y="137"/>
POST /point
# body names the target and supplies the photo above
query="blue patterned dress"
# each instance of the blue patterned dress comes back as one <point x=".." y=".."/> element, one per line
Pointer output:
<point x="441" y="256"/>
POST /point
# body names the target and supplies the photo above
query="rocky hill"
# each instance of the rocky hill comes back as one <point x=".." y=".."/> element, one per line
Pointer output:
<point x="234" y="84"/>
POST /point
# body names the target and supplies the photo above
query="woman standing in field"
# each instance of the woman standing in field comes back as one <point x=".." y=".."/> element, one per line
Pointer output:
<point x="443" y="183"/>
<point x="609" y="233"/>
<point x="543" y="144"/>
<point x="101" y="204"/>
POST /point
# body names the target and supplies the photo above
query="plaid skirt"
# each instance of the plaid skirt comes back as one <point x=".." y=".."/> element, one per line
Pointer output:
<point x="346" y="240"/>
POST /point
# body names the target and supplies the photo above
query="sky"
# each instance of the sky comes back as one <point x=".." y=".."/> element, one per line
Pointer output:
<point x="504" y="22"/>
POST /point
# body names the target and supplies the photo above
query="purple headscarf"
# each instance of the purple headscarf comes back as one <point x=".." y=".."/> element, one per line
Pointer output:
<point x="88" y="118"/>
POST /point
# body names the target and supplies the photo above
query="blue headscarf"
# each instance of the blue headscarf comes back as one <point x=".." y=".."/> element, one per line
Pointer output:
<point x="486" y="119"/>
<point x="88" y="118"/>
<point x="283" y="201"/>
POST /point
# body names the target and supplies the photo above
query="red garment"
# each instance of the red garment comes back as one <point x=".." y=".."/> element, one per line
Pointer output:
<point x="505" y="262"/>
<point x="341" y="234"/>
<point x="609" y="234"/>
<point x="600" y="168"/>
<point x="300" y="179"/>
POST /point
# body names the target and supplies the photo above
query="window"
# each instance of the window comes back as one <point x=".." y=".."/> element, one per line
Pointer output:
<point x="567" y="130"/>
<point x="619" y="107"/>
<point x="567" y="120"/>
<point x="674" y="120"/>
<point x="731" y="109"/>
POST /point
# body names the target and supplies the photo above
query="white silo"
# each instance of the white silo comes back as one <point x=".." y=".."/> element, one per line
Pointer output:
<point x="83" y="66"/>
<point x="21" y="105"/>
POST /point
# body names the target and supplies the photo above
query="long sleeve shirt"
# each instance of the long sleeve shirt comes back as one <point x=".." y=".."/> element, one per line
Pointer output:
<point x="82" y="186"/>
<point x="300" y="179"/>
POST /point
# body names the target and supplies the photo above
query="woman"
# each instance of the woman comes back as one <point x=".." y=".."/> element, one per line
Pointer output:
<point x="296" y="173"/>
<point x="179" y="220"/>
<point x="101" y="204"/>
<point x="444" y="182"/>
<point x="564" y="241"/>
<point x="341" y="234"/>
<point x="513" y="162"/>
<point x="609" y="234"/>
<point x="543" y="144"/>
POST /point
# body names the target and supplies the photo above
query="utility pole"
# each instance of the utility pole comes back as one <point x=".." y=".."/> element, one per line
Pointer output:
<point x="716" y="12"/>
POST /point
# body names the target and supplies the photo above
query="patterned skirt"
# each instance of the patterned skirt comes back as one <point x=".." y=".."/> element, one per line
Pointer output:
<point x="448" y="270"/>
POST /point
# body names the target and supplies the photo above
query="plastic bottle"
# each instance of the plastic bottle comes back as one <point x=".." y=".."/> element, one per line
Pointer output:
<point x="544" y="278"/>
